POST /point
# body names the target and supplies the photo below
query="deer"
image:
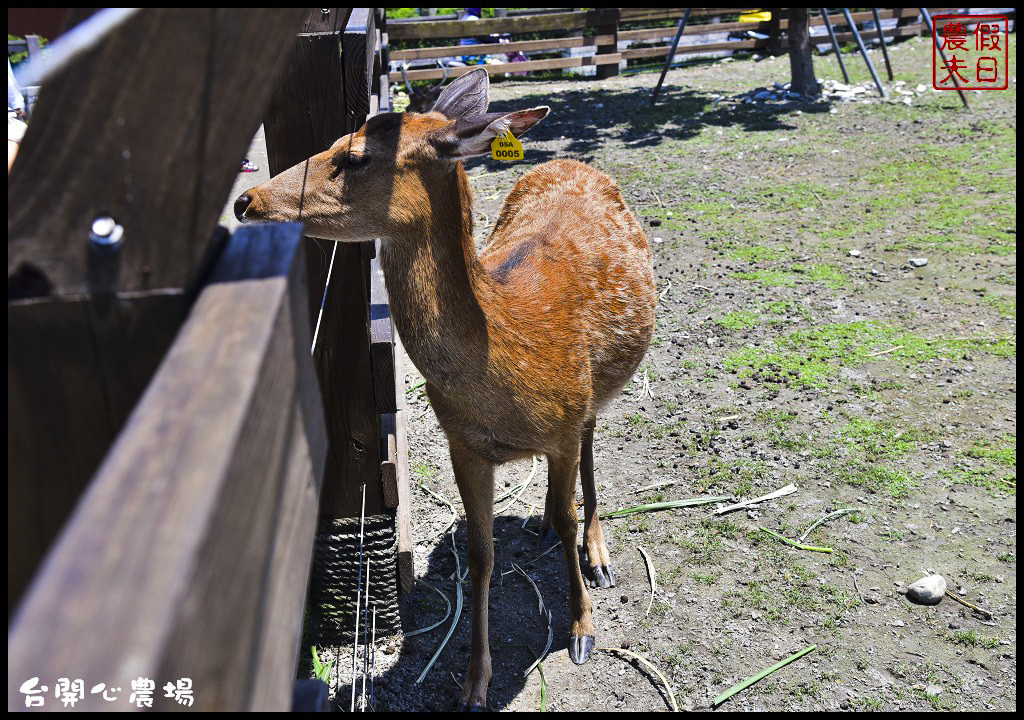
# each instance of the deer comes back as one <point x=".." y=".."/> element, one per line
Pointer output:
<point x="521" y="345"/>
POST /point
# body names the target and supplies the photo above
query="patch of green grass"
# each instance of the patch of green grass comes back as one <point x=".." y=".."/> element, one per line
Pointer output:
<point x="755" y="253"/>
<point x="983" y="476"/>
<point x="971" y="638"/>
<point x="769" y="278"/>
<point x="636" y="420"/>
<point x="423" y="470"/>
<point x="1003" y="451"/>
<point x="812" y="358"/>
<point x="738" y="320"/>
<point x="678" y="656"/>
<point x="1006" y="307"/>
<point x="876" y="479"/>
<point x="881" y="440"/>
<point x="832" y="277"/>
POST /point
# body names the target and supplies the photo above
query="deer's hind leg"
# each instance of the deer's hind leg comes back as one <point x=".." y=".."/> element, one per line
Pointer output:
<point x="601" y="574"/>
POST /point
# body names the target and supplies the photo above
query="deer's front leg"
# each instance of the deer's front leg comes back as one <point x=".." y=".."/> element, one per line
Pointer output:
<point x="562" y="471"/>
<point x="475" y="478"/>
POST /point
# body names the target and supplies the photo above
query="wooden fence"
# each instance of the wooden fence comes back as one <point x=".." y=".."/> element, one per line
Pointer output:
<point x="169" y="434"/>
<point x="615" y="36"/>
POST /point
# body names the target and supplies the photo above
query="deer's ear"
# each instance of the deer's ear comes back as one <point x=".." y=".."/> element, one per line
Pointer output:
<point x="465" y="97"/>
<point x="471" y="136"/>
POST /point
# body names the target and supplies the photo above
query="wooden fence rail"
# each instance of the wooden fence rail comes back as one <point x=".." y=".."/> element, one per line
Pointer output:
<point x="611" y="32"/>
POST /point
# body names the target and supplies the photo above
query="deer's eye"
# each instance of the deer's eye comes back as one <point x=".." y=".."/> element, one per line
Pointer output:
<point x="348" y="160"/>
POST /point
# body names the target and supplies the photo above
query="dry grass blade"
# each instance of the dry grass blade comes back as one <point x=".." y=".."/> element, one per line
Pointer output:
<point x="650" y="576"/>
<point x="966" y="604"/>
<point x="544" y="613"/>
<point x="518" y="490"/>
<point x="455" y="620"/>
<point x="661" y="298"/>
<point x="764" y="673"/>
<point x="447" y="612"/>
<point x="830" y="516"/>
<point x="652" y="667"/>
<point x="670" y="505"/>
<point x="746" y="503"/>
<point x="884" y="352"/>
<point x="655" y="486"/>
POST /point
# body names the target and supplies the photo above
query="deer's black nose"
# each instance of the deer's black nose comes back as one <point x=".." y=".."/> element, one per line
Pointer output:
<point x="242" y="204"/>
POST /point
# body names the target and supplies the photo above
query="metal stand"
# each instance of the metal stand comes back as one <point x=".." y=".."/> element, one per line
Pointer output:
<point x="881" y="39"/>
<point x="863" y="50"/>
<point x="672" y="53"/>
<point x="835" y="45"/>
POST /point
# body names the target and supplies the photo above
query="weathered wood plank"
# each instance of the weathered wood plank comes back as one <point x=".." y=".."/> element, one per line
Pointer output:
<point x="403" y="513"/>
<point x="146" y="128"/>
<point x="195" y="530"/>
<point x="382" y="346"/>
<point x="358" y="48"/>
<point x="529" y="65"/>
<point x="75" y="368"/>
<point x="484" y="48"/>
<point x="578" y="20"/>
<point x="692" y="49"/>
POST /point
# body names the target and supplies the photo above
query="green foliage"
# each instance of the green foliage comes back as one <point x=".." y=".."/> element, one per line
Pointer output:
<point x="321" y="671"/>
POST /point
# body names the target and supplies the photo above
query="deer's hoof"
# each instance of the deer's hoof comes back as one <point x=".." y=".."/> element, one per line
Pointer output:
<point x="546" y="538"/>
<point x="580" y="648"/>
<point x="602" y="576"/>
<point x="471" y="707"/>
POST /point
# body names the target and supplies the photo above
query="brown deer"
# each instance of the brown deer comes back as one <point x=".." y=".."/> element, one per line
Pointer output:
<point x="520" y="346"/>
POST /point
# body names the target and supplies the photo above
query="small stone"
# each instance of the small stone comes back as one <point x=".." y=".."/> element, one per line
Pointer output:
<point x="920" y="88"/>
<point x="658" y="239"/>
<point x="855" y="253"/>
<point x="917" y="262"/>
<point x="929" y="590"/>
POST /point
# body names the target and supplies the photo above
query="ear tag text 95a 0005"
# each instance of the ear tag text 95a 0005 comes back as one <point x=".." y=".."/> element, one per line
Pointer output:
<point x="507" y="147"/>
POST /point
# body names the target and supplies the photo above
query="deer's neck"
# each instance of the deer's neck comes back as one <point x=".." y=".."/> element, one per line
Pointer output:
<point x="437" y="288"/>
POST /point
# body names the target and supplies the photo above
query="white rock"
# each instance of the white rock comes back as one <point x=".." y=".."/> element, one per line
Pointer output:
<point x="929" y="590"/>
<point x="920" y="88"/>
<point x="917" y="262"/>
<point x="855" y="253"/>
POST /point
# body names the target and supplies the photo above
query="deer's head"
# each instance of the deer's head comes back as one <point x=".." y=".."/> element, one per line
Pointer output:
<point x="384" y="178"/>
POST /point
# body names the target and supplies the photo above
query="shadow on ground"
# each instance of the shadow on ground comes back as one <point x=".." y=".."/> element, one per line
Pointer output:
<point x="586" y="115"/>
<point x="518" y="631"/>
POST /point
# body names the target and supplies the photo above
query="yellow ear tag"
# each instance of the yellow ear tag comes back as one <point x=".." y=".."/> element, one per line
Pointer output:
<point x="507" y="147"/>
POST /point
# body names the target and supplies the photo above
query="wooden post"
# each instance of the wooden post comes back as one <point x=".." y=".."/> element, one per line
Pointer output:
<point x="606" y="23"/>
<point x="775" y="32"/>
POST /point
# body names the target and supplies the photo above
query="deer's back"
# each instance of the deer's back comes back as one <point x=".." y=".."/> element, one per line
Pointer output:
<point x="576" y="271"/>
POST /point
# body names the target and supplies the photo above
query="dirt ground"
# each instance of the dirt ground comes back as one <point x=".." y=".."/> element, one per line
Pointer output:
<point x="794" y="344"/>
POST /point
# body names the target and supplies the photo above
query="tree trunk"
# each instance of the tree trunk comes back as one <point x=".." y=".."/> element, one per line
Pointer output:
<point x="800" y="61"/>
